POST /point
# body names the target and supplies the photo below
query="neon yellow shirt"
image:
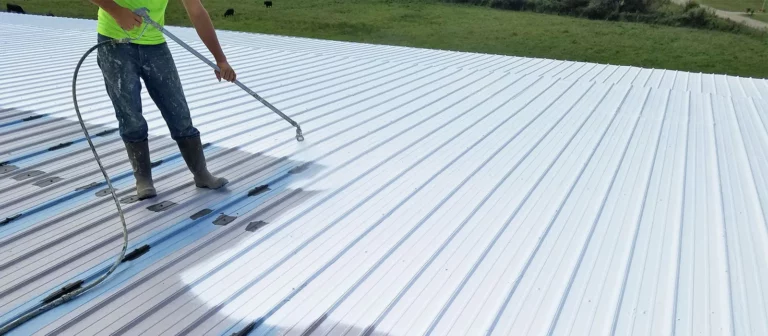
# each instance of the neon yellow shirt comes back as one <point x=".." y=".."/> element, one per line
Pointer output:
<point x="107" y="25"/>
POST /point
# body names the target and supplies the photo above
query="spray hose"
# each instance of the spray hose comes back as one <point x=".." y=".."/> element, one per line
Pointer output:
<point x="73" y="290"/>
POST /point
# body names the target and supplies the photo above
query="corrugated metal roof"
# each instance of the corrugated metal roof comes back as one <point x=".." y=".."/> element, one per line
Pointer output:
<point x="437" y="192"/>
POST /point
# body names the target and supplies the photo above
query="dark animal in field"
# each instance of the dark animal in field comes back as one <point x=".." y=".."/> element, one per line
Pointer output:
<point x="268" y="4"/>
<point x="14" y="9"/>
<point x="50" y="14"/>
<point x="229" y="12"/>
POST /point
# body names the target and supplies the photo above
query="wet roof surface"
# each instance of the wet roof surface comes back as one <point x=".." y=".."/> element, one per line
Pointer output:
<point x="436" y="193"/>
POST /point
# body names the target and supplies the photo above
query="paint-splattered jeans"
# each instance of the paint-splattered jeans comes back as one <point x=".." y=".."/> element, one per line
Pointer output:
<point x="123" y="65"/>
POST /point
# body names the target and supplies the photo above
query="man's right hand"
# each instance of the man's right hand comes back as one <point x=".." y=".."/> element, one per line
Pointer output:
<point x="126" y="18"/>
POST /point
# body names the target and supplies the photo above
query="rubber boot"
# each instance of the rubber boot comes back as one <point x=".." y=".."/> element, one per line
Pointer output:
<point x="138" y="154"/>
<point x="192" y="152"/>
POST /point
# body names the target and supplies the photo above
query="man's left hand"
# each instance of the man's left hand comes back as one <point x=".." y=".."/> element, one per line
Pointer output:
<point x="226" y="73"/>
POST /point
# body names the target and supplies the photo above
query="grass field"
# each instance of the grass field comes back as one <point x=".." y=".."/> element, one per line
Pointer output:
<point x="432" y="24"/>
<point x="739" y="6"/>
<point x="758" y="16"/>
<point x="734" y="5"/>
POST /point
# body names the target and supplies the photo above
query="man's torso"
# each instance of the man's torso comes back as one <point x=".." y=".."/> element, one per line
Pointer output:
<point x="107" y="25"/>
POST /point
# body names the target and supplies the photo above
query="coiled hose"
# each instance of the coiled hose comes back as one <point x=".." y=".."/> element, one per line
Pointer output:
<point x="42" y="308"/>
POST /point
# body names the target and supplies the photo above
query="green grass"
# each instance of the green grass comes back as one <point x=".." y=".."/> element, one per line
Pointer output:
<point x="760" y="17"/>
<point x="734" y="5"/>
<point x="431" y="24"/>
<point x="739" y="6"/>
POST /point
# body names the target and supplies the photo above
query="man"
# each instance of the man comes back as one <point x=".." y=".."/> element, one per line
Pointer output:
<point x="148" y="58"/>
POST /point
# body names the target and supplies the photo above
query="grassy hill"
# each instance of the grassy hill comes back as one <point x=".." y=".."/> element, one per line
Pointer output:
<point x="434" y="24"/>
<point x="740" y="6"/>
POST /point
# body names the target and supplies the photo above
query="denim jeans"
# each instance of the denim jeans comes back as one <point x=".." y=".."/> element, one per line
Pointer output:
<point x="123" y="65"/>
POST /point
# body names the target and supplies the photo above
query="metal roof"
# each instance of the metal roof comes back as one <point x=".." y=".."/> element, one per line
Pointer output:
<point x="437" y="192"/>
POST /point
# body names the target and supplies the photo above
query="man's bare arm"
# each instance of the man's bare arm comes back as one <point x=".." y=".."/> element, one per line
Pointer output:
<point x="202" y="23"/>
<point x="124" y="17"/>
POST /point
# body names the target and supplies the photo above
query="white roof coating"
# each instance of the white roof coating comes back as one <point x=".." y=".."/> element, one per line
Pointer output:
<point x="436" y="192"/>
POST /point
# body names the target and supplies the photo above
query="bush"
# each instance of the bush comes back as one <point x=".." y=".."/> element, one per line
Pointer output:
<point x="509" y="4"/>
<point x="696" y="17"/>
<point x="546" y="6"/>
